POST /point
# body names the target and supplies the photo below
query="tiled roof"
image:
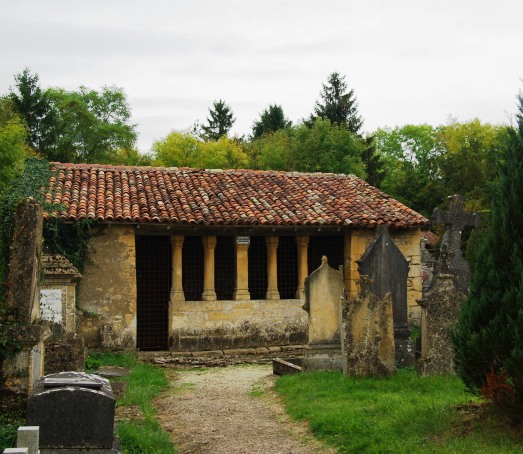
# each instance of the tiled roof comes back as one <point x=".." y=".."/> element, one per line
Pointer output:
<point x="214" y="197"/>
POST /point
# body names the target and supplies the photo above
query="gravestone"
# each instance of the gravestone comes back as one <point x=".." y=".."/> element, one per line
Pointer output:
<point x="427" y="267"/>
<point x="75" y="412"/>
<point x="64" y="351"/>
<point x="451" y="260"/>
<point x="439" y="312"/>
<point x="368" y="334"/>
<point x="324" y="289"/>
<point x="22" y="369"/>
<point x="387" y="270"/>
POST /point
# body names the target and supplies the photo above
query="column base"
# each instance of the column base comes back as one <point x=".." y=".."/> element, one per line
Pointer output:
<point x="177" y="295"/>
<point x="241" y="294"/>
<point x="300" y="293"/>
<point x="272" y="295"/>
<point x="209" y="295"/>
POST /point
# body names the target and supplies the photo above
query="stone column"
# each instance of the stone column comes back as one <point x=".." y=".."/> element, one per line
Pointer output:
<point x="241" y="292"/>
<point x="302" y="242"/>
<point x="176" y="260"/>
<point x="209" y="243"/>
<point x="272" y="268"/>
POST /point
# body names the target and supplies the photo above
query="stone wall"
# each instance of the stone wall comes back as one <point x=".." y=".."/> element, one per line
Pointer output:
<point x="201" y="325"/>
<point x="107" y="293"/>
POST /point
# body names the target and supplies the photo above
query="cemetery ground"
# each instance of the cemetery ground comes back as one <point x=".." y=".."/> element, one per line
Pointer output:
<point x="245" y="406"/>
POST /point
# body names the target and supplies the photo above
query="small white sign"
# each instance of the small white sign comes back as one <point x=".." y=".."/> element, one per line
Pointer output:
<point x="243" y="240"/>
<point x="51" y="304"/>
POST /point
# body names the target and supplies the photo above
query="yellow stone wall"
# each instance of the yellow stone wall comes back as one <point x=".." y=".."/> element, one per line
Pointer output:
<point x="107" y="292"/>
<point x="408" y="242"/>
<point x="202" y="325"/>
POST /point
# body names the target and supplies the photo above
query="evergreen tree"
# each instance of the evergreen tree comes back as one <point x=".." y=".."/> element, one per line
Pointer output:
<point x="271" y="120"/>
<point x="338" y="105"/>
<point x="374" y="165"/>
<point x="33" y="106"/>
<point x="220" y="121"/>
<point x="488" y="339"/>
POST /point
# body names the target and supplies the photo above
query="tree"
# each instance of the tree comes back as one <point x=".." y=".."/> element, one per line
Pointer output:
<point x="220" y="121"/>
<point x="468" y="151"/>
<point x="374" y="165"/>
<point x="32" y="105"/>
<point x="271" y="120"/>
<point x="488" y="339"/>
<point x="272" y="151"/>
<point x="13" y="133"/>
<point x="326" y="148"/>
<point x="338" y="105"/>
<point x="184" y="150"/>
<point x="410" y="154"/>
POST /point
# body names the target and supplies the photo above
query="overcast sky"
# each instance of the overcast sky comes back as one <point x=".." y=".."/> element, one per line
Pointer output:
<point x="408" y="61"/>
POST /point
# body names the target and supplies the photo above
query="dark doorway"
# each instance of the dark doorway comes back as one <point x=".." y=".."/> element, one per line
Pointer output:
<point x="153" y="278"/>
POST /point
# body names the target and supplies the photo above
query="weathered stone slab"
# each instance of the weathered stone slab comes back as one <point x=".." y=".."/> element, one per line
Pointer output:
<point x="368" y="346"/>
<point x="440" y="309"/>
<point x="28" y="437"/>
<point x="387" y="271"/>
<point x="325" y="357"/>
<point x="451" y="260"/>
<point x="67" y="402"/>
<point x="282" y="367"/>
<point x="64" y="354"/>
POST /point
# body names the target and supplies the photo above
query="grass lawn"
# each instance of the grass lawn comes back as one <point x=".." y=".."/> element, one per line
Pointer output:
<point x="404" y="413"/>
<point x="145" y="382"/>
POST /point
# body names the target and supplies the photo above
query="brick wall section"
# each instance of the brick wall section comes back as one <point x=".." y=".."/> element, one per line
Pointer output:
<point x="107" y="293"/>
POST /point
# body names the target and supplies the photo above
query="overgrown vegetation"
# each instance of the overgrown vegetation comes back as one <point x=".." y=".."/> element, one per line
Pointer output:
<point x="488" y="337"/>
<point x="12" y="416"/>
<point x="143" y="384"/>
<point x="404" y="413"/>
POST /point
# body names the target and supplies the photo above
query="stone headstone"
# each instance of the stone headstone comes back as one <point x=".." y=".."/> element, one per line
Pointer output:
<point x="74" y="410"/>
<point x="368" y="334"/>
<point x="427" y="267"/>
<point x="20" y="370"/>
<point x="451" y="260"/>
<point x="324" y="289"/>
<point x="387" y="270"/>
<point x="440" y="309"/>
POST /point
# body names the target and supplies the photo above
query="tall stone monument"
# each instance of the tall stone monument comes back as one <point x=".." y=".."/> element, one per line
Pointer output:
<point x="324" y="290"/>
<point x="21" y="370"/>
<point x="387" y="270"/>
<point x="368" y="334"/>
<point x="451" y="260"/>
<point x="440" y="308"/>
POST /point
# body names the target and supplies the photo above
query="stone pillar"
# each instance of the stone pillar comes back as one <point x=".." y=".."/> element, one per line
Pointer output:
<point x="176" y="260"/>
<point x="272" y="268"/>
<point x="241" y="292"/>
<point x="209" y="244"/>
<point x="302" y="242"/>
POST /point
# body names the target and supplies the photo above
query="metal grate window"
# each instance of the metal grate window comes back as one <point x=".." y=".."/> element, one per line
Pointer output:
<point x="258" y="268"/>
<point x="153" y="279"/>
<point x="287" y="267"/>
<point x="192" y="268"/>
<point x="225" y="267"/>
<point x="331" y="246"/>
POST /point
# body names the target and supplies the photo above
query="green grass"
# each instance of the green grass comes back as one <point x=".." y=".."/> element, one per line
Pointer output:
<point x="144" y="383"/>
<point x="404" y="413"/>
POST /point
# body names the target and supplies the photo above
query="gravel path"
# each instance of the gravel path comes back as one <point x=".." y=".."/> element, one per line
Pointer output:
<point x="220" y="411"/>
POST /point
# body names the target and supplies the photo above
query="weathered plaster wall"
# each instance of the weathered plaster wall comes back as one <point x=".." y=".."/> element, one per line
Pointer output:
<point x="107" y="293"/>
<point x="408" y="242"/>
<point x="201" y="325"/>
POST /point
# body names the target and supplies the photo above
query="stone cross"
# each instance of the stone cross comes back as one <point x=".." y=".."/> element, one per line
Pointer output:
<point x="451" y="258"/>
<point x="387" y="270"/>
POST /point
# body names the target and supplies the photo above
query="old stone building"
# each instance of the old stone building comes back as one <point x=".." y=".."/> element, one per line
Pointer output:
<point x="202" y="259"/>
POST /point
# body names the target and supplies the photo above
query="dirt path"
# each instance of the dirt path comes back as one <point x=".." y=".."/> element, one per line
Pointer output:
<point x="222" y="410"/>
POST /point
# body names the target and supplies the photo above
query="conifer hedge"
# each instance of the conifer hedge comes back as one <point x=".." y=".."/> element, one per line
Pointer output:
<point x="488" y="338"/>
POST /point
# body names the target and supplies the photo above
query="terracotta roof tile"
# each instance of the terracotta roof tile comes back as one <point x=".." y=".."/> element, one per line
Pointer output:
<point x="229" y="197"/>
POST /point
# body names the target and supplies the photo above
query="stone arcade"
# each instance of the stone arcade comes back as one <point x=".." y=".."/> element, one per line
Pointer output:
<point x="193" y="259"/>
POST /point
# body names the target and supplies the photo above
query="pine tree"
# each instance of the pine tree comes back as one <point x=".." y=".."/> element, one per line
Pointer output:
<point x="338" y="105"/>
<point x="488" y="339"/>
<point x="220" y="121"/>
<point x="374" y="165"/>
<point x="271" y="120"/>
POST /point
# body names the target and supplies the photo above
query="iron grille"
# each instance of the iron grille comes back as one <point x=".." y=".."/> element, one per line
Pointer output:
<point x="225" y="267"/>
<point x="330" y="246"/>
<point x="287" y="267"/>
<point x="258" y="268"/>
<point x="192" y="268"/>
